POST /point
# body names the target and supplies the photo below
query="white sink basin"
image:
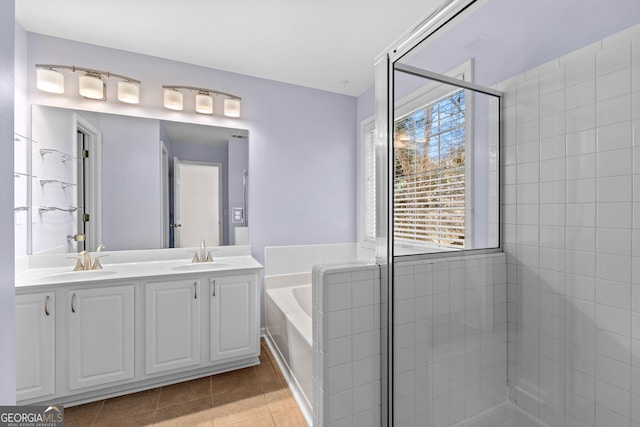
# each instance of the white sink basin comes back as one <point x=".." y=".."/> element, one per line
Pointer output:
<point x="202" y="266"/>
<point x="78" y="275"/>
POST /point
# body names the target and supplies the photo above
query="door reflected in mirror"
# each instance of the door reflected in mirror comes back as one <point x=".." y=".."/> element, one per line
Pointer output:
<point x="100" y="178"/>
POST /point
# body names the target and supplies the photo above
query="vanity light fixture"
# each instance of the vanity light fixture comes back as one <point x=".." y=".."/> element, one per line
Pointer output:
<point x="90" y="84"/>
<point x="172" y="99"/>
<point x="203" y="100"/>
<point x="49" y="80"/>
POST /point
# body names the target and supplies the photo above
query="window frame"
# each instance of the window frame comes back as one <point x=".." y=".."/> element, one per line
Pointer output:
<point x="427" y="94"/>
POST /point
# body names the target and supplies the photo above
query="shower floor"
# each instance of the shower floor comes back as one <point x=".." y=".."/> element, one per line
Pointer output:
<point x="504" y="415"/>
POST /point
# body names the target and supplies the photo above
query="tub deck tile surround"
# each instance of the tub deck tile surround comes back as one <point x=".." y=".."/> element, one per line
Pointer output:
<point x="257" y="396"/>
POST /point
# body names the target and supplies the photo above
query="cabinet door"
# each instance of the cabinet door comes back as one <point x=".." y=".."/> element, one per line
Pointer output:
<point x="35" y="345"/>
<point x="234" y="317"/>
<point x="172" y="325"/>
<point x="101" y="331"/>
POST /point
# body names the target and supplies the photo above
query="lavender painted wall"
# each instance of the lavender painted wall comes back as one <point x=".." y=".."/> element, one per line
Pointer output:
<point x="302" y="147"/>
<point x="7" y="319"/>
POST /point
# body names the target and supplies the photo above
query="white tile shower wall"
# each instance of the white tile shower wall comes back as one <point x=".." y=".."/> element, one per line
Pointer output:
<point x="346" y="345"/>
<point x="450" y="338"/>
<point x="571" y="232"/>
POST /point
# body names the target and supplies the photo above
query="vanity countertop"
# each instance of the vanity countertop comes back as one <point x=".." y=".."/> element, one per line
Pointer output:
<point x="43" y="274"/>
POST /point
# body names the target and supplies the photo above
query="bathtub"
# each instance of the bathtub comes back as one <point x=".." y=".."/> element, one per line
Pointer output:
<point x="289" y="325"/>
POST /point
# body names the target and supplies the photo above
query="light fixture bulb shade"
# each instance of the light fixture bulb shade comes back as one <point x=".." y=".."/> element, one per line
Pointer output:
<point x="204" y="103"/>
<point x="91" y="87"/>
<point x="129" y="92"/>
<point x="49" y="80"/>
<point x="173" y="99"/>
<point x="232" y="107"/>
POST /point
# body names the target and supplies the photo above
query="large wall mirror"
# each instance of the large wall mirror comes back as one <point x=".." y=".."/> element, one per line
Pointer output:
<point x="128" y="183"/>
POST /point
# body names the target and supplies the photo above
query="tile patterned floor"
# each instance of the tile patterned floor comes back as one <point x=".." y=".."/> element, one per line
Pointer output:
<point x="253" y="397"/>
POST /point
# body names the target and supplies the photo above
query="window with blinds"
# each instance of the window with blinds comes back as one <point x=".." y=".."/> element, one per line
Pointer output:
<point x="429" y="179"/>
<point x="368" y="166"/>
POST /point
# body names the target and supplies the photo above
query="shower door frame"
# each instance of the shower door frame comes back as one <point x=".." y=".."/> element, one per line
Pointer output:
<point x="385" y="67"/>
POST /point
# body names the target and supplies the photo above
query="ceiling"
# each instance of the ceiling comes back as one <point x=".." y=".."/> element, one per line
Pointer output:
<point x="323" y="44"/>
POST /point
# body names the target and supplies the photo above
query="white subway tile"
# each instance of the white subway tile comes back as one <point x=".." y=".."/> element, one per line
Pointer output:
<point x="553" y="147"/>
<point x="581" y="239"/>
<point x="553" y="214"/>
<point x="581" y="64"/>
<point x="607" y="417"/>
<point x="338" y="351"/>
<point x="339" y="377"/>
<point x="528" y="89"/>
<point x="614" y="215"/>
<point x="364" y="345"/>
<point x="580" y="383"/>
<point x="553" y="103"/>
<point x="615" y="189"/>
<point x="552" y="192"/>
<point x="338" y="297"/>
<point x="615" y="241"/>
<point x="580" y="359"/>
<point x="403" y="287"/>
<point x="580" y="335"/>
<point x="616" y="294"/>
<point x="614" y="84"/>
<point x="582" y="166"/>
<point x="615" y="162"/>
<point x="581" y="94"/>
<point x="552" y="237"/>
<point x="613" y="346"/>
<point x="583" y="118"/>
<point x="613" y="372"/>
<point x="613" y="58"/>
<point x="581" y="310"/>
<point x="635" y="77"/>
<point x="615" y="136"/>
<point x="613" y="267"/>
<point x="580" y="411"/>
<point x="581" y="214"/>
<point x="581" y="142"/>
<point x="528" y="172"/>
<point x="338" y="324"/>
<point x="613" y="319"/>
<point x="614" y="110"/>
<point x="552" y="125"/>
<point x="528" y="110"/>
<point x="528" y="131"/>
<point x="580" y="263"/>
<point x="552" y="81"/>
<point x="581" y="190"/>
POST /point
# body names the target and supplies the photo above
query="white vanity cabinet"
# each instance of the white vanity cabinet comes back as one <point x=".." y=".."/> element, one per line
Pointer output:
<point x="100" y="332"/>
<point x="35" y="345"/>
<point x="233" y="317"/>
<point x="172" y="324"/>
<point x="85" y="336"/>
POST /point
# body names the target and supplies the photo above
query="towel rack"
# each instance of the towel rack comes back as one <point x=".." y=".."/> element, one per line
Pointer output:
<point x="55" y="208"/>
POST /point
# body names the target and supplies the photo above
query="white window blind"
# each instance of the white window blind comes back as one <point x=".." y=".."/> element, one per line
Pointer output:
<point x="429" y="184"/>
<point x="369" y="181"/>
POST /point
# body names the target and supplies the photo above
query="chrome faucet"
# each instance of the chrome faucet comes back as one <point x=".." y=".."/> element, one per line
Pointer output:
<point x="83" y="262"/>
<point x="203" y="256"/>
